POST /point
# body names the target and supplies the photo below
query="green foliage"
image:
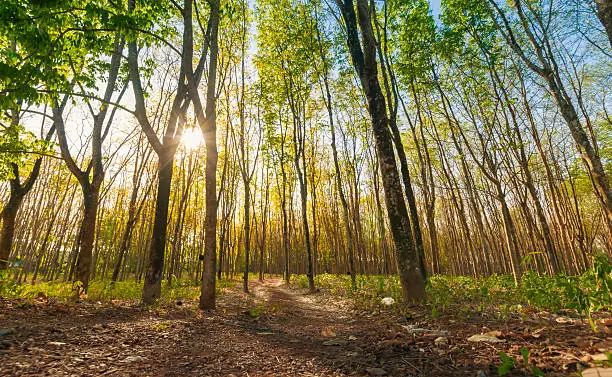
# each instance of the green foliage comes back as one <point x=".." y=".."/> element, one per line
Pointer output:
<point x="254" y="312"/>
<point x="413" y="29"/>
<point x="583" y="294"/>
<point x="47" y="46"/>
<point x="8" y="286"/>
<point x="18" y="148"/>
<point x="369" y="289"/>
<point x="105" y="291"/>
<point x="262" y="310"/>
<point x="507" y="364"/>
<point x="161" y="327"/>
<point x="525" y="354"/>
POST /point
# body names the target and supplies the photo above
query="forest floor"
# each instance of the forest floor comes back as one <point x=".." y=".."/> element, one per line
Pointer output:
<point x="279" y="330"/>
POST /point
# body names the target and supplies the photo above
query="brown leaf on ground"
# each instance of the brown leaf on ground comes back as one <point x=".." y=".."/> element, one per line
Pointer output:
<point x="126" y="339"/>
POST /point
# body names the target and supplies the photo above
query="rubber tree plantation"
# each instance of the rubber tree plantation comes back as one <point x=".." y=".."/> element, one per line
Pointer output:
<point x="306" y="187"/>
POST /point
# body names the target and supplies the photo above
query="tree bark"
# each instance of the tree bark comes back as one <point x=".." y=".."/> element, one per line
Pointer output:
<point x="9" y="214"/>
<point x="151" y="290"/>
<point x="364" y="61"/>
<point x="88" y="230"/>
<point x="18" y="191"/>
<point x="604" y="13"/>
<point x="208" y="125"/>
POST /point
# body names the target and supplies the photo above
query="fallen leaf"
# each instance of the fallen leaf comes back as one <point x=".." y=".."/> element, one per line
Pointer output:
<point x="600" y="357"/>
<point x="133" y="359"/>
<point x="440" y="341"/>
<point x="376" y="371"/>
<point x="485" y="338"/>
<point x="597" y="372"/>
<point x="328" y="332"/>
<point x="336" y="342"/>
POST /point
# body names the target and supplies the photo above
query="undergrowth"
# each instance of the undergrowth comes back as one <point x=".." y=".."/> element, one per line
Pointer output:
<point x="586" y="293"/>
<point x="104" y="291"/>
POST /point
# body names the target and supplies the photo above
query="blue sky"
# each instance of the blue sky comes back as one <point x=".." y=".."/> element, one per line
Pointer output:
<point x="435" y="7"/>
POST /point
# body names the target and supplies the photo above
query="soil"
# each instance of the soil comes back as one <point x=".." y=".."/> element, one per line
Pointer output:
<point x="277" y="330"/>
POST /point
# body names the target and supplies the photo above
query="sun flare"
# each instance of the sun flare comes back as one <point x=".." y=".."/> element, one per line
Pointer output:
<point x="192" y="138"/>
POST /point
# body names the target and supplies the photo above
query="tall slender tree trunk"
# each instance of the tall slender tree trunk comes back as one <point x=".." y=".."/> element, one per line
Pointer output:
<point x="285" y="224"/>
<point x="364" y="61"/>
<point x="306" y="228"/>
<point x="153" y="277"/>
<point x="264" y="221"/>
<point x="124" y="245"/>
<point x="340" y="187"/>
<point x="208" y="125"/>
<point x="510" y="233"/>
<point x="247" y="236"/>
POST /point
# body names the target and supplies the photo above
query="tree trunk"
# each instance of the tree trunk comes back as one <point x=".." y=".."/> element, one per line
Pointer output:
<point x="591" y="158"/>
<point x="411" y="277"/>
<point x="285" y="225"/>
<point x="9" y="214"/>
<point x="604" y="13"/>
<point x="306" y="228"/>
<point x="125" y="244"/>
<point x="264" y="230"/>
<point x="86" y="241"/>
<point x="208" y="125"/>
<point x="151" y="290"/>
<point x="247" y="236"/>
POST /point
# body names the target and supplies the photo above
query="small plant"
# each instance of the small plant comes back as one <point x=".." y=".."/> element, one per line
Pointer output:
<point x="525" y="354"/>
<point x="253" y="312"/>
<point x="161" y="327"/>
<point x="8" y="286"/>
<point x="508" y="363"/>
<point x="435" y="313"/>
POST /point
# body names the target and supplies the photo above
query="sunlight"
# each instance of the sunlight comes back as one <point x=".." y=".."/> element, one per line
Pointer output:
<point x="192" y="138"/>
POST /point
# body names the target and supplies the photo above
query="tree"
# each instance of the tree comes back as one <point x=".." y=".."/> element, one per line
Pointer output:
<point x="285" y="60"/>
<point x="18" y="189"/>
<point x="364" y="61"/>
<point x="166" y="149"/>
<point x="207" y="121"/>
<point x="90" y="186"/>
<point x="531" y="23"/>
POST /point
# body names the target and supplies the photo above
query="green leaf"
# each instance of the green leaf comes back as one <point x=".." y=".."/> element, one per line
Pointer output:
<point x="507" y="364"/>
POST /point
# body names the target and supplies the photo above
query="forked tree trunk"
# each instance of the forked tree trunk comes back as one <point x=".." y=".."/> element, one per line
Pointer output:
<point x="9" y="214"/>
<point x="18" y="191"/>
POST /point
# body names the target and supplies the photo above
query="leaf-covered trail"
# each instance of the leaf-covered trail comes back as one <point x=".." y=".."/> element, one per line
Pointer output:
<point x="275" y="331"/>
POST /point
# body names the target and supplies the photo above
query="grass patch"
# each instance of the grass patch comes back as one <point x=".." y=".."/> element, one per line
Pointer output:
<point x="586" y="293"/>
<point x="105" y="291"/>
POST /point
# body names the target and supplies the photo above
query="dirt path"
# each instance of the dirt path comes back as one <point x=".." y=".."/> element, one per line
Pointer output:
<point x="274" y="331"/>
